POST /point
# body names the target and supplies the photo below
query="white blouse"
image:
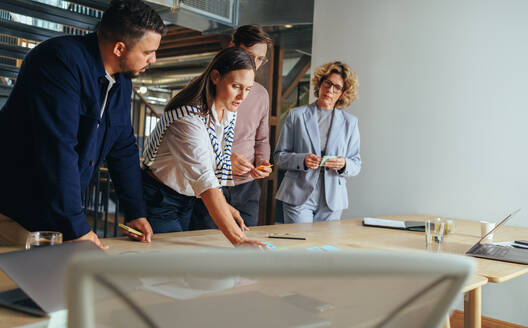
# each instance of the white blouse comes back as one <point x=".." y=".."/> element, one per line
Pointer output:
<point x="185" y="160"/>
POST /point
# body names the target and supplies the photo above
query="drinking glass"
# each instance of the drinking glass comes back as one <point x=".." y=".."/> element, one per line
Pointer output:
<point x="43" y="238"/>
<point x="434" y="234"/>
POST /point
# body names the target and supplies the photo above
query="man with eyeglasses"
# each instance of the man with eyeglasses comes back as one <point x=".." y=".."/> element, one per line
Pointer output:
<point x="251" y="148"/>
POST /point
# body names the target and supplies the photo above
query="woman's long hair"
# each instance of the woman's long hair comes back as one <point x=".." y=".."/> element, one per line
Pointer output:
<point x="201" y="91"/>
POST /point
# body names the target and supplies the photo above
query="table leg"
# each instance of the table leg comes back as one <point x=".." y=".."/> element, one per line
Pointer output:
<point x="472" y="308"/>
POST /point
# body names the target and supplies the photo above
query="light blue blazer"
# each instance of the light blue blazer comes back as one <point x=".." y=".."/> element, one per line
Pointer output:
<point x="300" y="136"/>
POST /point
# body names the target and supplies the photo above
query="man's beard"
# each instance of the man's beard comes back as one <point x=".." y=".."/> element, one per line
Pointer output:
<point x="129" y="74"/>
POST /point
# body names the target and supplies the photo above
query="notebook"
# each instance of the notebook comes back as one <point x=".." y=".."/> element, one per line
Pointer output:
<point x="394" y="224"/>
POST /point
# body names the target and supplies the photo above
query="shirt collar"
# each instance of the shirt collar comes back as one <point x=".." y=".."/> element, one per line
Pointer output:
<point x="228" y="116"/>
<point x="109" y="78"/>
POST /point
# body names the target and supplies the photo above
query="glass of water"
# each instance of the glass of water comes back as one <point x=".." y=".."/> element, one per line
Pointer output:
<point x="434" y="234"/>
<point x="43" y="238"/>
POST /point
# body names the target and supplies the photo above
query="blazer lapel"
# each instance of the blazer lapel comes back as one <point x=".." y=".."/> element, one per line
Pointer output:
<point x="336" y="133"/>
<point x="312" y="128"/>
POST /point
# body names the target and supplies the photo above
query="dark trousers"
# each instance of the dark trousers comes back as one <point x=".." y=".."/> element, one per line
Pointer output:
<point x="244" y="197"/>
<point x="167" y="210"/>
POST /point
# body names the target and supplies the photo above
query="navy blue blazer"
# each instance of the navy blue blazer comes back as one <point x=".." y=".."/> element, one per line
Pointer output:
<point x="300" y="136"/>
<point x="53" y="138"/>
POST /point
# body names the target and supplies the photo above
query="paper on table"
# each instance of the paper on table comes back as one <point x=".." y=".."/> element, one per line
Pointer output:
<point x="384" y="223"/>
<point x="181" y="288"/>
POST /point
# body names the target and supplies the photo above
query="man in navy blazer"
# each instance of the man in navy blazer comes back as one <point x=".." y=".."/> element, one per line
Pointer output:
<point x="68" y="111"/>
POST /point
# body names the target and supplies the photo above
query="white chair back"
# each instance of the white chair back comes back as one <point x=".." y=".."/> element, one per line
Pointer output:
<point x="250" y="288"/>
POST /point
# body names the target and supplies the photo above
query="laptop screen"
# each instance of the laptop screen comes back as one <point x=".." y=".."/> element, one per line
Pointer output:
<point x="41" y="272"/>
<point x="499" y="224"/>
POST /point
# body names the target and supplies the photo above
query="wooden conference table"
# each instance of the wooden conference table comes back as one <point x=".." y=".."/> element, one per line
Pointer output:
<point x="344" y="234"/>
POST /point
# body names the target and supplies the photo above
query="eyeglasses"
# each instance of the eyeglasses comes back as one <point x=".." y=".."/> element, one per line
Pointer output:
<point x="262" y="59"/>
<point x="329" y="85"/>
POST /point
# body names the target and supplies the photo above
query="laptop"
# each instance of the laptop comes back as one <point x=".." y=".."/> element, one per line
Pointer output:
<point x="40" y="274"/>
<point x="497" y="252"/>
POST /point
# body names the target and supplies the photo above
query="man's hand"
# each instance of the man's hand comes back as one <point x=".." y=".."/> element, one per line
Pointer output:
<point x="240" y="165"/>
<point x="263" y="172"/>
<point x="312" y="161"/>
<point x="335" y="163"/>
<point x="140" y="224"/>
<point x="238" y="218"/>
<point x="91" y="236"/>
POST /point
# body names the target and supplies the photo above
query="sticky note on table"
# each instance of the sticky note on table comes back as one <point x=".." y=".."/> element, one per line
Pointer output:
<point x="270" y="245"/>
<point x="330" y="248"/>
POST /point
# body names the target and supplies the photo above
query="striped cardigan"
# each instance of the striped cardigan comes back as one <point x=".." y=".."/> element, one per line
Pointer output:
<point x="223" y="169"/>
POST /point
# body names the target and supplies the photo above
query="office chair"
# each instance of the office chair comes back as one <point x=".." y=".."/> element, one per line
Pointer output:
<point x="250" y="288"/>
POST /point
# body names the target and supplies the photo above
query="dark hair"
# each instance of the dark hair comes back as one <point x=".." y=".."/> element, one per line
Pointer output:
<point x="248" y="35"/>
<point x="127" y="21"/>
<point x="201" y="91"/>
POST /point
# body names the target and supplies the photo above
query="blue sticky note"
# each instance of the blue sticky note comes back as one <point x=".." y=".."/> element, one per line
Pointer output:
<point x="270" y="245"/>
<point x="330" y="248"/>
<point x="315" y="249"/>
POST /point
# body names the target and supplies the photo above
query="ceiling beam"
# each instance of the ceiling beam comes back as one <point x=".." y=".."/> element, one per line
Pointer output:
<point x="49" y="13"/>
<point x="8" y="70"/>
<point x="190" y="42"/>
<point x="197" y="49"/>
<point x="96" y="4"/>
<point x="13" y="51"/>
<point x="5" y="91"/>
<point x="28" y="32"/>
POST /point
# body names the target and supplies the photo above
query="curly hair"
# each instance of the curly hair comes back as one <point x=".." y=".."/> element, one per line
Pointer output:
<point x="350" y="88"/>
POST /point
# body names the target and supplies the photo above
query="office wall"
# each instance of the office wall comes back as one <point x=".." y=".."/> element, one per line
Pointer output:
<point x="442" y="110"/>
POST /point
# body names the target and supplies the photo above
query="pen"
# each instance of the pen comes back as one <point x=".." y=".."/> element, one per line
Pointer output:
<point x="134" y="231"/>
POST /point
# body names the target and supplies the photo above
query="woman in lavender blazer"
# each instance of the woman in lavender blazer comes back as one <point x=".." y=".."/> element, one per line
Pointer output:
<point x="319" y="148"/>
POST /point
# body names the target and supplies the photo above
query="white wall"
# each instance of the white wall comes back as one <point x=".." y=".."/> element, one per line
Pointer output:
<point x="443" y="109"/>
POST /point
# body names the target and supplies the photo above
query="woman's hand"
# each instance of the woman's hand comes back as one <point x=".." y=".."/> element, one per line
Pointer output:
<point x="335" y="163"/>
<point x="252" y="243"/>
<point x="240" y="165"/>
<point x="227" y="218"/>
<point x="238" y="218"/>
<point x="312" y="161"/>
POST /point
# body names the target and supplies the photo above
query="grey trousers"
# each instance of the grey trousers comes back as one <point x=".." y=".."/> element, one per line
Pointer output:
<point x="314" y="209"/>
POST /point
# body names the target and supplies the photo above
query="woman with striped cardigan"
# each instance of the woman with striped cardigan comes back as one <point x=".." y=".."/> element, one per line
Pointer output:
<point x="188" y="152"/>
